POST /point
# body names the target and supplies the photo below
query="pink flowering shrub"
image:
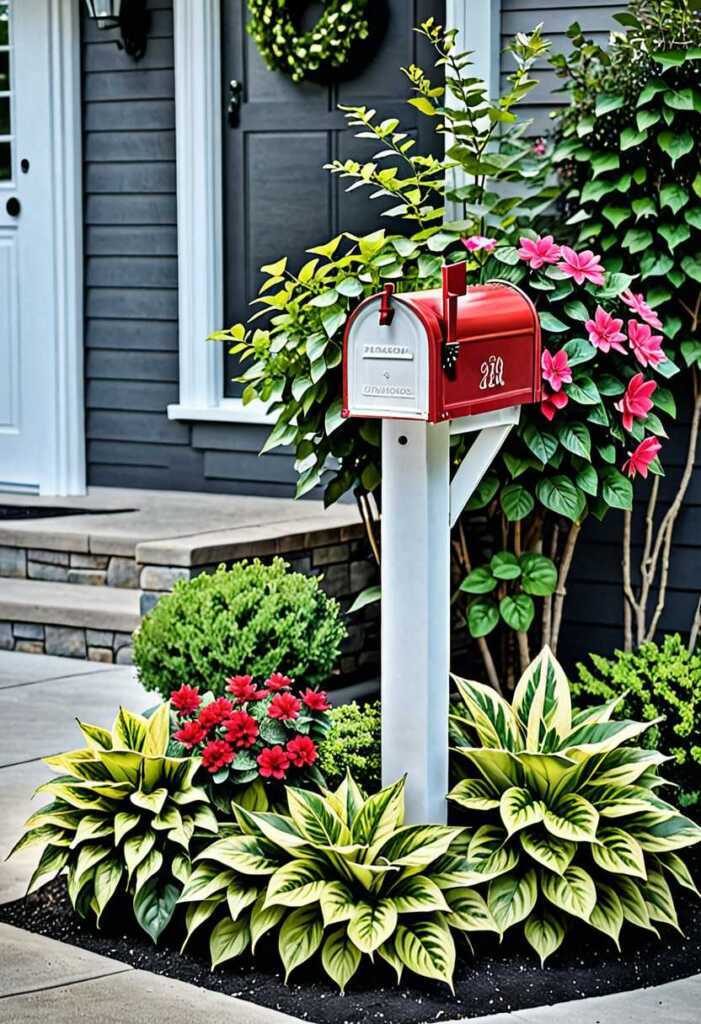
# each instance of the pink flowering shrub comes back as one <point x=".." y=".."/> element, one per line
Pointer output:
<point x="256" y="736"/>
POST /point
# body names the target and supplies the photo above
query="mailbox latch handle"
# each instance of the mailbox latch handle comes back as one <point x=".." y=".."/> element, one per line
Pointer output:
<point x="386" y="310"/>
<point x="454" y="285"/>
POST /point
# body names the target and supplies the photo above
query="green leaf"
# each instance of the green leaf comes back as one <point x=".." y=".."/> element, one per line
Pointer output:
<point x="573" y="818"/>
<point x="300" y="937"/>
<point x="575" y="437"/>
<point x="630" y="137"/>
<point x="340" y="957"/>
<point x="606" y="102"/>
<point x="605" y="162"/>
<point x="512" y="897"/>
<point x="576" y="310"/>
<point x="540" y="442"/>
<point x="675" y="144"/>
<point x="579" y="351"/>
<point x="674" y="234"/>
<point x="616" y="489"/>
<point x="520" y="809"/>
<point x="516" y="502"/>
<point x="610" y="385"/>
<point x="559" y="495"/>
<point x="539" y="574"/>
<point x="545" y="932"/>
<point x="653" y="87"/>
<point x="573" y="891"/>
<point x="646" y="118"/>
<point x="607" y="915"/>
<point x="229" y="939"/>
<point x="505" y="566"/>
<point x="295" y="884"/>
<point x="637" y="239"/>
<point x="479" y="581"/>
<point x="553" y="853"/>
<point x="584" y="391"/>
<point x="482" y="617"/>
<point x="426" y="947"/>
<point x="154" y="904"/>
<point x="517" y="612"/>
<point x="551" y="323"/>
<point x="469" y="911"/>
<point x="617" y="851"/>
<point x="486" y="489"/>
<point x="691" y="265"/>
<point x="474" y="794"/>
<point x="368" y="596"/>
<point x="588" y="481"/>
<point x="333" y="418"/>
<point x="673" y="196"/>
<point x="417" y="894"/>
<point x="371" y="924"/>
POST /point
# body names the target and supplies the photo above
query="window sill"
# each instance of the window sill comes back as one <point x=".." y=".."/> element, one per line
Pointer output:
<point x="229" y="410"/>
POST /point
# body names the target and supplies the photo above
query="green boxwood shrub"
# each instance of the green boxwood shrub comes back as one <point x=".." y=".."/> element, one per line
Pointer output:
<point x="655" y="681"/>
<point x="253" y="619"/>
<point x="352" y="744"/>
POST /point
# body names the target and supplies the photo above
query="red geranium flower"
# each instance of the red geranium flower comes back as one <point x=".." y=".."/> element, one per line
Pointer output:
<point x="243" y="689"/>
<point x="186" y="700"/>
<point x="273" y="762"/>
<point x="277" y="682"/>
<point x="316" y="700"/>
<point x="190" y="735"/>
<point x="552" y="401"/>
<point x="556" y="369"/>
<point x="302" y="751"/>
<point x="241" y="729"/>
<point x="284" y="706"/>
<point x="636" y="401"/>
<point x="217" y="754"/>
<point x="215" y="713"/>
<point x="640" y="459"/>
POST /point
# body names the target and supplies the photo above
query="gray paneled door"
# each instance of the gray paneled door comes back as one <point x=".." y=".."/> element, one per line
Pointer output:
<point x="278" y="198"/>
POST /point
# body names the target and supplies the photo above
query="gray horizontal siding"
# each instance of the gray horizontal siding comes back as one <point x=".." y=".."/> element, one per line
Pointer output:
<point x="556" y="16"/>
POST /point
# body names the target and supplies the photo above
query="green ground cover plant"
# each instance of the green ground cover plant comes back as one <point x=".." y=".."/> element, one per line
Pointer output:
<point x="339" y="875"/>
<point x="252" y="618"/>
<point x="353" y="745"/>
<point x="122" y="821"/>
<point x="660" y="683"/>
<point x="568" y="823"/>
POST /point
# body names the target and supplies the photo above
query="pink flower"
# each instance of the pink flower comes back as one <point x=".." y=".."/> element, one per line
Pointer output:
<point x="556" y="369"/>
<point x="605" y="332"/>
<point x="646" y="345"/>
<point x="640" y="459"/>
<point x="638" y="304"/>
<point x="539" y="147"/>
<point x="537" y="251"/>
<point x="552" y="401"/>
<point x="582" y="266"/>
<point x="636" y="400"/>
<point x="479" y="242"/>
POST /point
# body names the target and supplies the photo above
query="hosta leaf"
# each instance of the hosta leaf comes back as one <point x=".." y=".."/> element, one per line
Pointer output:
<point x="573" y="891"/>
<point x="300" y="937"/>
<point x="600" y="737"/>
<point x="618" y="852"/>
<point x="336" y="902"/>
<point x="427" y="948"/>
<point x="542" y="696"/>
<point x="607" y="915"/>
<point x="262" y="919"/>
<point x="417" y="845"/>
<point x="553" y="853"/>
<point x="149" y="866"/>
<point x="239" y="896"/>
<point x="340" y="957"/>
<point x="315" y="819"/>
<point x="152" y="802"/>
<point x="248" y="854"/>
<point x="229" y="939"/>
<point x="469" y="911"/>
<point x="129" y="731"/>
<point x="124" y="822"/>
<point x="296" y="884"/>
<point x="625" y="765"/>
<point x="511" y="898"/>
<point x="53" y="859"/>
<point x="475" y="794"/>
<point x="489" y="713"/>
<point x="658" y="898"/>
<point x="663" y="836"/>
<point x="154" y="904"/>
<point x="417" y="894"/>
<point x="136" y="848"/>
<point x="380" y="815"/>
<point x="371" y="924"/>
<point x="632" y="903"/>
<point x="108" y="875"/>
<point x="545" y="933"/>
<point x="573" y="818"/>
<point x="498" y="767"/>
<point x="519" y="809"/>
<point x="196" y="914"/>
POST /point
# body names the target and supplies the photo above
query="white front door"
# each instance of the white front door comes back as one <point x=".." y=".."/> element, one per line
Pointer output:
<point x="39" y="331"/>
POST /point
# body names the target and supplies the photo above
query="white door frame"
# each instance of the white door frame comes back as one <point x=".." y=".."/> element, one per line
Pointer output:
<point x="55" y="24"/>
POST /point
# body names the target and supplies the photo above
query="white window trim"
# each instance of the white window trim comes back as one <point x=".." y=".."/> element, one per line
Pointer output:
<point x="198" y="119"/>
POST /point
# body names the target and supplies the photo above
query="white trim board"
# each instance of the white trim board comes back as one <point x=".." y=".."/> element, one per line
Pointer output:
<point x="198" y="106"/>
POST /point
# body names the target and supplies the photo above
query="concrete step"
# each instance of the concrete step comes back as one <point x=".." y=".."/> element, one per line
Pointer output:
<point x="40" y="617"/>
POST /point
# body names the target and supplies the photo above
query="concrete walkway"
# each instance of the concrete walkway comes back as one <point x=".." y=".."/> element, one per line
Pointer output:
<point x="47" y="982"/>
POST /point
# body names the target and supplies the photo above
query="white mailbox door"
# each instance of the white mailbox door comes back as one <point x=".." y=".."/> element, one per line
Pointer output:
<point x="388" y="365"/>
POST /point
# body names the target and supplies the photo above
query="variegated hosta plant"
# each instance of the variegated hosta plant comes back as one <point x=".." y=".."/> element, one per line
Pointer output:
<point x="339" y="874"/>
<point x="569" y="822"/>
<point x="121" y="821"/>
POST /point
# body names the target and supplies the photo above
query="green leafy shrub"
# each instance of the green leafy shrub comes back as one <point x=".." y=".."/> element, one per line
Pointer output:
<point x="507" y="586"/>
<point x="655" y="683"/>
<point x="121" y="821"/>
<point x="353" y="745"/>
<point x="253" y="618"/>
<point x="339" y="874"/>
<point x="569" y="825"/>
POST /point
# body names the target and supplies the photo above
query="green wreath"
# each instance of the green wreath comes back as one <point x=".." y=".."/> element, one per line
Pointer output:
<point x="326" y="45"/>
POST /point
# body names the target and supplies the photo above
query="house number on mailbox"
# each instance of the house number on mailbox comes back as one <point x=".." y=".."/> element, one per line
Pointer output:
<point x="492" y="371"/>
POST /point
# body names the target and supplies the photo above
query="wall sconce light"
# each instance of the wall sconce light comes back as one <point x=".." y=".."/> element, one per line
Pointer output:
<point x="129" y="16"/>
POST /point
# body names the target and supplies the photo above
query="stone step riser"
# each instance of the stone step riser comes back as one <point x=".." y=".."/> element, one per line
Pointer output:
<point x="105" y="646"/>
<point x="69" y="567"/>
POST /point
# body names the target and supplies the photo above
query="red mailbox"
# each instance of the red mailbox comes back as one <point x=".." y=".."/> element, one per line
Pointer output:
<point x="441" y="354"/>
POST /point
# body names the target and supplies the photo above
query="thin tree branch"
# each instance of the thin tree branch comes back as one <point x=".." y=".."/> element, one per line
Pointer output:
<point x="486" y="654"/>
<point x="629" y="603"/>
<point x="560" y="593"/>
<point x="548" y="602"/>
<point x="695" y="627"/>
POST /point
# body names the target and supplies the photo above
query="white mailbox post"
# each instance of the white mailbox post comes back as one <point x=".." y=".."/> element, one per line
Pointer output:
<point x="416" y="361"/>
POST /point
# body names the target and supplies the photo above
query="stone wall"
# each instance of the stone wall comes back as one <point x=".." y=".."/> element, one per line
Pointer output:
<point x="69" y="567"/>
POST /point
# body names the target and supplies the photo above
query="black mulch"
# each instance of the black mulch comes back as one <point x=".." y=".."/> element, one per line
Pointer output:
<point x="496" y="978"/>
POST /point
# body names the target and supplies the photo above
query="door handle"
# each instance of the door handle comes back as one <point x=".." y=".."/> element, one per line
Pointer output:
<point x="235" y="93"/>
<point x="13" y="206"/>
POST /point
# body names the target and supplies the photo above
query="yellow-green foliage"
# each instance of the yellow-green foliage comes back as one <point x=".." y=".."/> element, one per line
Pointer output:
<point x="567" y="821"/>
<point x="339" y="875"/>
<point x="252" y="619"/>
<point x="121" y="820"/>
<point x="352" y="744"/>
<point x="653" y="682"/>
